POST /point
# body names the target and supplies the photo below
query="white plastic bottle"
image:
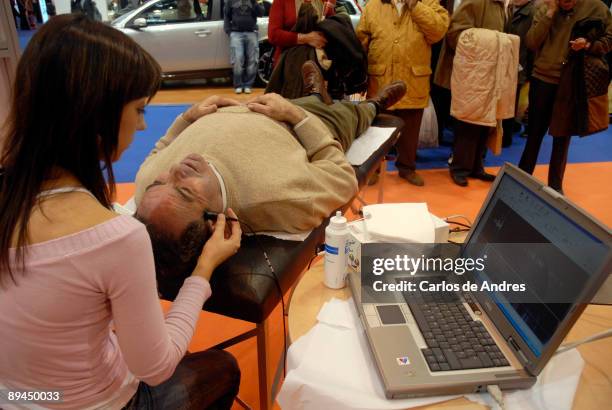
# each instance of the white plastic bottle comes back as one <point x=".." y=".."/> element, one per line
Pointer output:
<point x="336" y="235"/>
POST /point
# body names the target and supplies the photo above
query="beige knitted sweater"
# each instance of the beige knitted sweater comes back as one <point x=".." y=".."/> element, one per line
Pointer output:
<point x="277" y="179"/>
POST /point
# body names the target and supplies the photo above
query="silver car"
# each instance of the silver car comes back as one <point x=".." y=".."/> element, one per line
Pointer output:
<point x="186" y="37"/>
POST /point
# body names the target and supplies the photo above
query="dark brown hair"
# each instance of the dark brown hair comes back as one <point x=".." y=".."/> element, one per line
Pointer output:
<point x="176" y="258"/>
<point x="72" y="82"/>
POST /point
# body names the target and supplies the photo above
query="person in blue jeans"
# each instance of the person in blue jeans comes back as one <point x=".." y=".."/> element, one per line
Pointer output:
<point x="240" y="23"/>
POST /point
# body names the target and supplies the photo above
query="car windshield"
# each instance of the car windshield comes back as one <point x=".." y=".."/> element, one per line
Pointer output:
<point x="123" y="17"/>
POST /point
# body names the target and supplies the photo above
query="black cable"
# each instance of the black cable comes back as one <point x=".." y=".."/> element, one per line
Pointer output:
<point x="280" y="294"/>
<point x="213" y="216"/>
<point x="317" y="250"/>
<point x="310" y="261"/>
<point x="460" y="224"/>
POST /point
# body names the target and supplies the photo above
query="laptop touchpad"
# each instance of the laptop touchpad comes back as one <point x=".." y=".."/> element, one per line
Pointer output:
<point x="390" y="314"/>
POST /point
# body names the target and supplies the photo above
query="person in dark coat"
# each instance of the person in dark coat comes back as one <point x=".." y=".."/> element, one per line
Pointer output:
<point x="581" y="106"/>
<point x="24" y="24"/>
<point x="346" y="72"/>
<point x="16" y="13"/>
<point x="520" y="24"/>
<point x="549" y="37"/>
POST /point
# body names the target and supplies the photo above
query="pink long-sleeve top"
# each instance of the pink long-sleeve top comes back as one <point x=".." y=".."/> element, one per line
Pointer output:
<point x="56" y="323"/>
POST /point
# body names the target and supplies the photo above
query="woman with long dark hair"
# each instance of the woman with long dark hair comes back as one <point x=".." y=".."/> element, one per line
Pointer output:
<point x="79" y="311"/>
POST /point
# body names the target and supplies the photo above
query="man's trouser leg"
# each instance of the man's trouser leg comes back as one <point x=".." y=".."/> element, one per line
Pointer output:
<point x="558" y="161"/>
<point x="467" y="147"/>
<point x="252" y="52"/>
<point x="237" y="57"/>
<point x="509" y="124"/>
<point x="541" y="100"/>
<point x="345" y="120"/>
<point x="408" y="141"/>
<point x="441" y="98"/>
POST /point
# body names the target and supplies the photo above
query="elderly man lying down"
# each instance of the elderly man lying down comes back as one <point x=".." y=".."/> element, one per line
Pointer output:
<point x="279" y="165"/>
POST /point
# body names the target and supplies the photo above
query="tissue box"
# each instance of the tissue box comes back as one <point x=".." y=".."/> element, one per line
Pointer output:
<point x="357" y="237"/>
<point x="441" y="229"/>
<point x="353" y="247"/>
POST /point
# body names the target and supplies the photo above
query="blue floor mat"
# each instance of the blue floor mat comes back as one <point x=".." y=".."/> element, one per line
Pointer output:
<point x="158" y="119"/>
<point x="24" y="37"/>
<point x="595" y="148"/>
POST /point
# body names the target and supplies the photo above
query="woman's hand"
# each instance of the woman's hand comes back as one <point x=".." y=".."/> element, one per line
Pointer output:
<point x="207" y="106"/>
<point x="277" y="108"/>
<point x="219" y="246"/>
<point x="315" y="39"/>
<point x="579" y="44"/>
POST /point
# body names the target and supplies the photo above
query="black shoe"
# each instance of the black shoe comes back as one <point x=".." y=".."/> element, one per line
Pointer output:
<point x="483" y="176"/>
<point x="459" y="179"/>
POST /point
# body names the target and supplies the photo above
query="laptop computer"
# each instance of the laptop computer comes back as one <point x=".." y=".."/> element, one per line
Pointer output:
<point x="425" y="346"/>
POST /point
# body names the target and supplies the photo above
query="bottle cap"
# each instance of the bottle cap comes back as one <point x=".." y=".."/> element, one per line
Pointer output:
<point x="338" y="221"/>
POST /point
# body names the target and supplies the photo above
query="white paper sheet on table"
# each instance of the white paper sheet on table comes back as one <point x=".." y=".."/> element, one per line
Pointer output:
<point x="331" y="367"/>
<point x="285" y="236"/>
<point x="367" y="143"/>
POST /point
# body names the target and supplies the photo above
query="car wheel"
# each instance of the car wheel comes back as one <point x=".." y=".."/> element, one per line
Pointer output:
<point x="264" y="66"/>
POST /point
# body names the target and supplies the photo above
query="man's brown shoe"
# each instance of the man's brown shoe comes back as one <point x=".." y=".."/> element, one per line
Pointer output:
<point x="411" y="176"/>
<point x="389" y="95"/>
<point x="314" y="82"/>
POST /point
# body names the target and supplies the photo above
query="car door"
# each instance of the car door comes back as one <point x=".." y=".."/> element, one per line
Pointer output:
<point x="223" y="53"/>
<point x="180" y="34"/>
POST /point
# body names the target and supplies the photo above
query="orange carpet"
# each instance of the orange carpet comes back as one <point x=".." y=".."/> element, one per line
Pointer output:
<point x="588" y="185"/>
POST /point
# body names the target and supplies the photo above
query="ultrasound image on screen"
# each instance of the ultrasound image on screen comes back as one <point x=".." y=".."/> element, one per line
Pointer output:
<point x="542" y="273"/>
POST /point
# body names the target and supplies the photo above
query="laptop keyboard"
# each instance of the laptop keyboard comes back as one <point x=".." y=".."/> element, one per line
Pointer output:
<point x="454" y="340"/>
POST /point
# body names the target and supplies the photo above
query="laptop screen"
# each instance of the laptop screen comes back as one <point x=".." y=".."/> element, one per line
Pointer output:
<point x="517" y="215"/>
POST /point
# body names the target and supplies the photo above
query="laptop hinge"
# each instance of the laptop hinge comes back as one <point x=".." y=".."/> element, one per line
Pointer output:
<point x="517" y="349"/>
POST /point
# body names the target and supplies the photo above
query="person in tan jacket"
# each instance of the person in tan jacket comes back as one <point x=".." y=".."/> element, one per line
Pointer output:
<point x="397" y="36"/>
<point x="470" y="139"/>
<point x="281" y="172"/>
<point x="279" y="165"/>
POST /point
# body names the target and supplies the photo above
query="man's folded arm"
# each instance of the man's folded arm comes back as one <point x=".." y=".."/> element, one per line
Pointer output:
<point x="333" y="182"/>
<point x="175" y="129"/>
